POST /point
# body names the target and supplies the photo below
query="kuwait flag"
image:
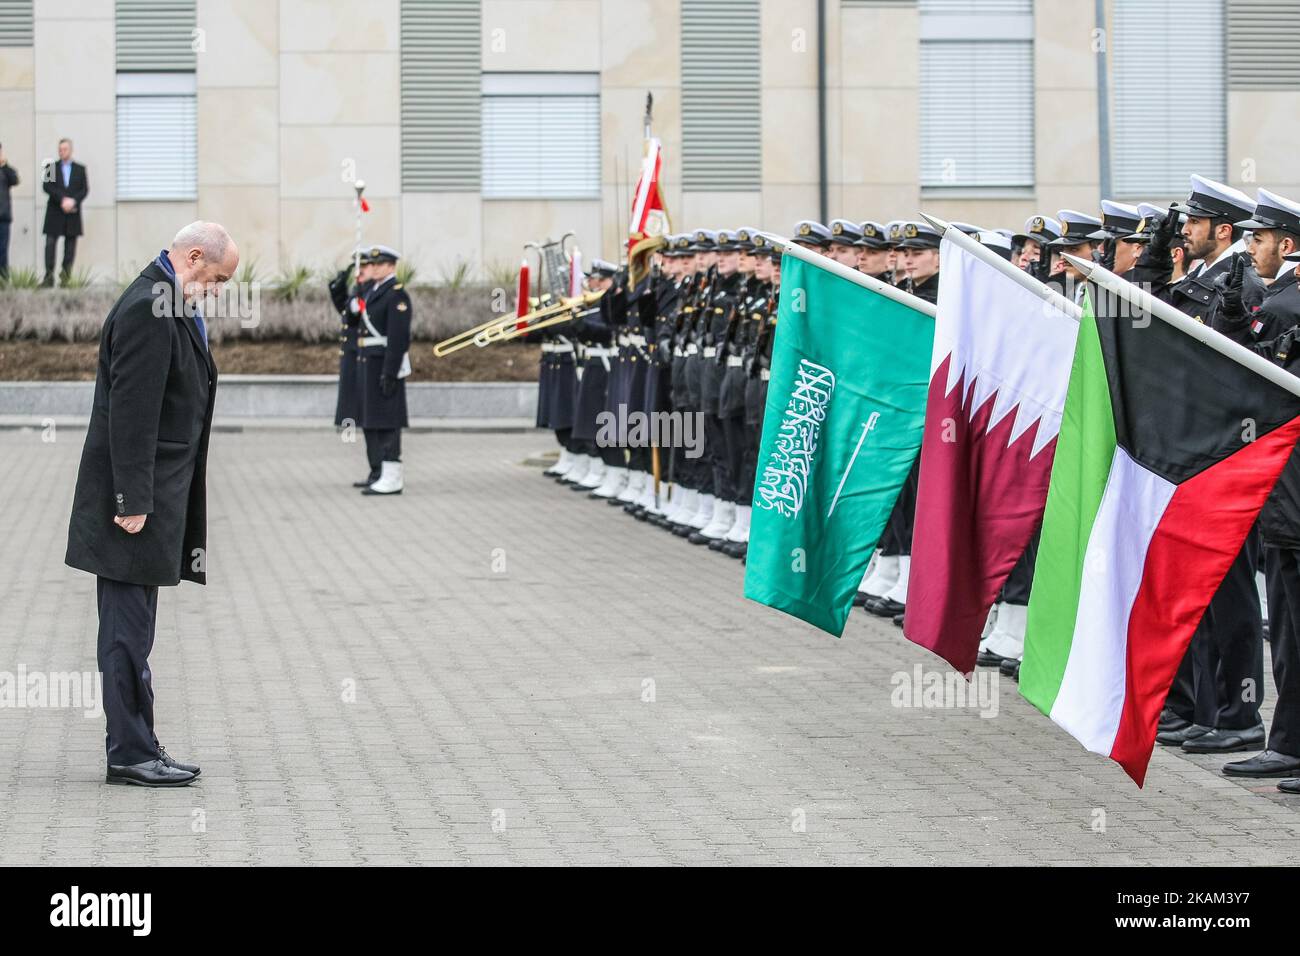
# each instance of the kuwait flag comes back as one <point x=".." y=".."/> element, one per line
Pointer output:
<point x="998" y="375"/>
<point x="1167" y="451"/>
<point x="845" y="408"/>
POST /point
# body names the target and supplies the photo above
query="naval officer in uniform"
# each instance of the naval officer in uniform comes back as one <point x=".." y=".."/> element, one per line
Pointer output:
<point x="383" y="364"/>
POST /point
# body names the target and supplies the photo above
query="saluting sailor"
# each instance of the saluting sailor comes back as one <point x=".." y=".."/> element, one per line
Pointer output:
<point x="383" y="363"/>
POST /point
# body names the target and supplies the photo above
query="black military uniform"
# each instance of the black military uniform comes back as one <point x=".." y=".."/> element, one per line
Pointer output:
<point x="1227" y="648"/>
<point x="896" y="540"/>
<point x="384" y="330"/>
<point x="347" y="408"/>
<point x="1279" y="521"/>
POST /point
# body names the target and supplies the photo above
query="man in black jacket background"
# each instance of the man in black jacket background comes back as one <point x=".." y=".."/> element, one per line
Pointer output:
<point x="66" y="185"/>
<point x="8" y="180"/>
<point x="139" y="514"/>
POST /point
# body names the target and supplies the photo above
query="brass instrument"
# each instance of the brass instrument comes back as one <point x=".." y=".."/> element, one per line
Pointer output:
<point x="552" y="307"/>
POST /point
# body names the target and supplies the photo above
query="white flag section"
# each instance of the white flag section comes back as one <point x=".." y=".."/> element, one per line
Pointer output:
<point x="1004" y="340"/>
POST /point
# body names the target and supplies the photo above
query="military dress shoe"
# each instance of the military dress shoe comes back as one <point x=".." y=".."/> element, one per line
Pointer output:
<point x="1219" y="741"/>
<point x="367" y="483"/>
<point x="737" y="549"/>
<point x="171" y="761"/>
<point x="1267" y="763"/>
<point x="1176" y="738"/>
<point x="898" y="620"/>
<point x="151" y="773"/>
<point x="1169" y="722"/>
<point x="717" y="544"/>
<point x="1008" y="667"/>
<point x="883" y="607"/>
<point x="1289" y="786"/>
<point x="860" y="598"/>
<point x="990" y="659"/>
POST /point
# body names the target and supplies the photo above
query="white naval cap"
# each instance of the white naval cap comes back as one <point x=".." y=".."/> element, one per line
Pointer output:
<point x="1212" y="200"/>
<point x="379" y="253"/>
<point x="1274" y="212"/>
<point x="1076" y="228"/>
<point x="1117" y="219"/>
<point x="601" y="267"/>
<point x="996" y="241"/>
<point x="1041" y="229"/>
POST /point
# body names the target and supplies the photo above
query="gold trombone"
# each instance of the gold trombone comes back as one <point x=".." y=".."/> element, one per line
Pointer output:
<point x="563" y="311"/>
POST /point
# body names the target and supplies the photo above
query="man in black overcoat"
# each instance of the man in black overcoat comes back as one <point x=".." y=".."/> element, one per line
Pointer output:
<point x="139" y="513"/>
<point x="66" y="184"/>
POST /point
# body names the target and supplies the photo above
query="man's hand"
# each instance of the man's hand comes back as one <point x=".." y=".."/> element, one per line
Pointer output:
<point x="1229" y="287"/>
<point x="68" y="203"/>
<point x="1163" y="237"/>
<point x="131" y="524"/>
<point x="387" y="385"/>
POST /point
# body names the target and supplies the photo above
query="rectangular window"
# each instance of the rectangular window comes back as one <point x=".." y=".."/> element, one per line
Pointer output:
<point x="1169" y="101"/>
<point x="977" y="95"/>
<point x="156" y="136"/>
<point x="541" y="136"/>
<point x="721" y="92"/>
<point x="441" y="66"/>
<point x="15" y="23"/>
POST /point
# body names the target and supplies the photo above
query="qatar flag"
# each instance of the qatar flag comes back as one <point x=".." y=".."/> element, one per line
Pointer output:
<point x="998" y="378"/>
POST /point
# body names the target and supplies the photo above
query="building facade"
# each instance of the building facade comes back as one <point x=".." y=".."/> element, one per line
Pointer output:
<point x="478" y="125"/>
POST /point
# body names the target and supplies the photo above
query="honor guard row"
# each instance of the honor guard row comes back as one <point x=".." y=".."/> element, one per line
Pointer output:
<point x="694" y="337"/>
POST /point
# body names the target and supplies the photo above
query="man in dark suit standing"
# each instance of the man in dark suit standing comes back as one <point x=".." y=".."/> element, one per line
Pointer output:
<point x="8" y="180"/>
<point x="139" y="514"/>
<point x="66" y="185"/>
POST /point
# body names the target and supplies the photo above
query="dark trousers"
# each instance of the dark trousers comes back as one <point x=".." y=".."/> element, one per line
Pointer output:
<point x="382" y="444"/>
<point x="1282" y="572"/>
<point x="1228" y="650"/>
<point x="69" y="253"/>
<point x="1021" y="579"/>
<point x="4" y="249"/>
<point x="733" y="433"/>
<point x="127" y="613"/>
<point x="715" y="449"/>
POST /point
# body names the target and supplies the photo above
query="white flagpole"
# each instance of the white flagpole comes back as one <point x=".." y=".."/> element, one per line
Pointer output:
<point x="853" y="275"/>
<point x="988" y="256"/>
<point x="1150" y="305"/>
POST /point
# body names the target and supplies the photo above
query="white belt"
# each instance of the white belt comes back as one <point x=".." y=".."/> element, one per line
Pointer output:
<point x="562" y="347"/>
<point x="368" y="340"/>
<point x="692" y="349"/>
<point x="710" y="351"/>
<point x="735" y="361"/>
<point x="548" y="346"/>
<point x="599" y="352"/>
<point x="679" y="351"/>
<point x="764" y="374"/>
<point x="638" y="340"/>
<point x="623" y="339"/>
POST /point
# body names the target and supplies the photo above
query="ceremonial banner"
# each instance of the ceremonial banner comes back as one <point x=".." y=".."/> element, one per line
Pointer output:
<point x="1167" y="451"/>
<point x="845" y="407"/>
<point x="999" y="372"/>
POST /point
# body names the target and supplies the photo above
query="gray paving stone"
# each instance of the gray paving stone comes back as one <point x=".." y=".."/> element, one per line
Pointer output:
<point x="473" y="715"/>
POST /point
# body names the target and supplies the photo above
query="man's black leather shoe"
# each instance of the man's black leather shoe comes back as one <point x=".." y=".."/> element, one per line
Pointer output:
<point x="1169" y="722"/>
<point x="365" y="484"/>
<point x="1268" y="763"/>
<point x="1219" y="741"/>
<point x="898" y="620"/>
<point x="989" y="659"/>
<point x="1289" y="786"/>
<point x="883" y="607"/>
<point x="1009" y="667"/>
<point x="171" y="761"/>
<point x="151" y="773"/>
<point x="1176" y="738"/>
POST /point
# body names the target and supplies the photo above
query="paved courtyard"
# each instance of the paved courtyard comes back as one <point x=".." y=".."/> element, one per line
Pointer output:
<point x="490" y="669"/>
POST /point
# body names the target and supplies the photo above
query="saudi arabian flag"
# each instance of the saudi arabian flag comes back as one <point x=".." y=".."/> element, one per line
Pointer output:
<point x="845" y="408"/>
<point x="1167" y="450"/>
